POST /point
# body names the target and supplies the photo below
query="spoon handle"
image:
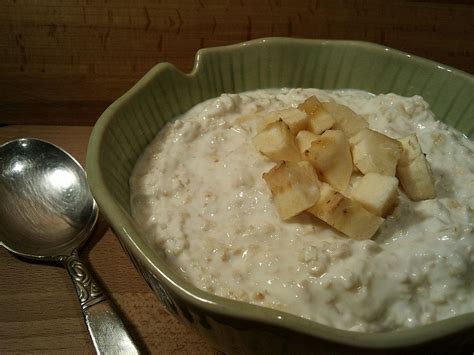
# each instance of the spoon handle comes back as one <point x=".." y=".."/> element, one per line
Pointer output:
<point x="106" y="329"/>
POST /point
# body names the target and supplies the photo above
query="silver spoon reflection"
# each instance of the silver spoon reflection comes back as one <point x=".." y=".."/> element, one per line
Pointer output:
<point x="46" y="213"/>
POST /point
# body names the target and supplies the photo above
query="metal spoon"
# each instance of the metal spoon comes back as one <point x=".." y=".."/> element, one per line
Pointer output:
<point x="46" y="213"/>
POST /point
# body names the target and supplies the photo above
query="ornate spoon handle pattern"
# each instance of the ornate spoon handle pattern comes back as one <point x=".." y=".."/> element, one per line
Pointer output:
<point x="88" y="291"/>
<point x="105" y="327"/>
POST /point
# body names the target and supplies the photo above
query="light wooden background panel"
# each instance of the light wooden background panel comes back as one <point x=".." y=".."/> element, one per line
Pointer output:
<point x="64" y="61"/>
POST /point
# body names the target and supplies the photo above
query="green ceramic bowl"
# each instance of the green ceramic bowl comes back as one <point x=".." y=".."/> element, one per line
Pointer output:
<point x="129" y="124"/>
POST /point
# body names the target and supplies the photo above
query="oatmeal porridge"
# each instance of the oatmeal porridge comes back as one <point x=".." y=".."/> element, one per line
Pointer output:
<point x="198" y="195"/>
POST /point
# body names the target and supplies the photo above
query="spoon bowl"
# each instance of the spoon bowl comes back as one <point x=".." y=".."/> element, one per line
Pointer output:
<point x="47" y="212"/>
<point x="47" y="209"/>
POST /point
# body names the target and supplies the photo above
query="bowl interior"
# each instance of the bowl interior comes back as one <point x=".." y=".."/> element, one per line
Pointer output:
<point x="128" y="125"/>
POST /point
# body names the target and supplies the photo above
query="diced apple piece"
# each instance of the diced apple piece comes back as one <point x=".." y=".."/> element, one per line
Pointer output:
<point x="377" y="193"/>
<point x="311" y="105"/>
<point x="346" y="120"/>
<point x="294" y="118"/>
<point x="345" y="215"/>
<point x="319" y="120"/>
<point x="304" y="139"/>
<point x="264" y="121"/>
<point x="355" y="178"/>
<point x="414" y="171"/>
<point x="277" y="142"/>
<point x="294" y="187"/>
<point x="330" y="154"/>
<point x="374" y="152"/>
<point x="416" y="180"/>
<point x="411" y="150"/>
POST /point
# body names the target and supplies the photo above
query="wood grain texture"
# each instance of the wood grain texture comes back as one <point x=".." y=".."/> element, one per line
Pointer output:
<point x="39" y="310"/>
<point x="64" y="61"/>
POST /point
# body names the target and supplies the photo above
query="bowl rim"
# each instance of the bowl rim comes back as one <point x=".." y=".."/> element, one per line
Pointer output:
<point x="128" y="235"/>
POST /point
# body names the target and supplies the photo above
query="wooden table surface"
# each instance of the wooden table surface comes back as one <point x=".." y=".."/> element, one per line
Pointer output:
<point x="39" y="310"/>
<point x="64" y="61"/>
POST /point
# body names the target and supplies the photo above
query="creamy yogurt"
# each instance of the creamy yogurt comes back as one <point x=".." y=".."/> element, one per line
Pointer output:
<point x="198" y="195"/>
